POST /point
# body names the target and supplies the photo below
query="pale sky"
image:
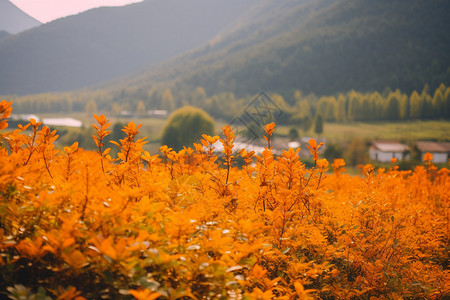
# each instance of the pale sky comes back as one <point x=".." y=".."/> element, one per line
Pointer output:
<point x="48" y="10"/>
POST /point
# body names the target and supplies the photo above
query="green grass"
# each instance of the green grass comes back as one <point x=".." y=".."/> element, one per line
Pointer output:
<point x="402" y="131"/>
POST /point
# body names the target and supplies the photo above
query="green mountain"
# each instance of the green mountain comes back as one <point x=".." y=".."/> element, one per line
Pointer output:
<point x="320" y="46"/>
<point x="109" y="42"/>
<point x="316" y="46"/>
<point x="13" y="20"/>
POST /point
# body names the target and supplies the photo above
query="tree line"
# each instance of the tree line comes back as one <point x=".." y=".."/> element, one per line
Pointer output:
<point x="298" y="109"/>
<point x="390" y="106"/>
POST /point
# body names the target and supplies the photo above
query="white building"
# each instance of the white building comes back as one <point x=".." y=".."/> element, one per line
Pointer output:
<point x="68" y="122"/>
<point x="385" y="151"/>
<point x="24" y="117"/>
<point x="159" y="113"/>
<point x="440" y="151"/>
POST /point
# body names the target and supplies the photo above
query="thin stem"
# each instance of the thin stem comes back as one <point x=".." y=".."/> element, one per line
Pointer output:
<point x="320" y="178"/>
<point x="228" y="172"/>
<point x="46" y="165"/>
<point x="86" y="199"/>
<point x="31" y="146"/>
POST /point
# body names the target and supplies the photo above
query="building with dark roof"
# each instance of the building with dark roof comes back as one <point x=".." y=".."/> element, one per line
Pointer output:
<point x="440" y="151"/>
<point x="384" y="151"/>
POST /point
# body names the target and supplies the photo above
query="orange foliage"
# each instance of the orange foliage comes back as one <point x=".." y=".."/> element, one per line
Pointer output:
<point x="191" y="225"/>
<point x="5" y="112"/>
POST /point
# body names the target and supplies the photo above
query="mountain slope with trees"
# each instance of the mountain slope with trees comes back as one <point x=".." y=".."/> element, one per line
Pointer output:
<point x="322" y="47"/>
<point x="109" y="42"/>
<point x="358" y="58"/>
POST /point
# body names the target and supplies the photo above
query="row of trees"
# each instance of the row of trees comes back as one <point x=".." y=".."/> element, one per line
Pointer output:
<point x="298" y="109"/>
<point x="395" y="106"/>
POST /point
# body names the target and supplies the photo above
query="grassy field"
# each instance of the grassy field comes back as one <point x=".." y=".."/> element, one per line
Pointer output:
<point x="402" y="131"/>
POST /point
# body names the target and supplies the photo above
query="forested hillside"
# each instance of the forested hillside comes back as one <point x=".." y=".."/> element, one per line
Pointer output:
<point x="109" y="42"/>
<point x="322" y="47"/>
<point x="337" y="46"/>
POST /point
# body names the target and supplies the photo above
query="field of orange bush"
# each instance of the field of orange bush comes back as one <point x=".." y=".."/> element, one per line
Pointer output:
<point x="192" y="224"/>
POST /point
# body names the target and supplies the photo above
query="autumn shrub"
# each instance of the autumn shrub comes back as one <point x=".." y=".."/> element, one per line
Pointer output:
<point x="190" y="224"/>
<point x="185" y="126"/>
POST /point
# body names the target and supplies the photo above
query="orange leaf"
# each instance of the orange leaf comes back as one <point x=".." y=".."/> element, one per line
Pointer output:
<point x="312" y="143"/>
<point x="144" y="294"/>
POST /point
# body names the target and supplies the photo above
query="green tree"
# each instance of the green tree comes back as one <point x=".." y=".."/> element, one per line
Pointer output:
<point x="91" y="107"/>
<point x="366" y="110"/>
<point x="376" y="110"/>
<point x="198" y="96"/>
<point x="426" y="108"/>
<point x="426" y="104"/>
<point x="414" y="105"/>
<point x="301" y="115"/>
<point x="115" y="109"/>
<point x="304" y="109"/>
<point x="354" y="110"/>
<point x="67" y="105"/>
<point x="333" y="151"/>
<point x="140" y="109"/>
<point x="356" y="152"/>
<point x="282" y="105"/>
<point x="341" y="115"/>
<point x="153" y="99"/>
<point x="293" y="134"/>
<point x="306" y="123"/>
<point x="331" y="110"/>
<point x="438" y="104"/>
<point x="167" y="100"/>
<point x="223" y="106"/>
<point x="404" y="107"/>
<point x="201" y="93"/>
<point x="185" y="126"/>
<point x="318" y="124"/>
<point x="321" y="106"/>
<point x="446" y="112"/>
<point x="279" y="101"/>
<point x="393" y="109"/>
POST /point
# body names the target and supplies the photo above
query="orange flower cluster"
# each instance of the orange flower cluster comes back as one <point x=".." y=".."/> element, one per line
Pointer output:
<point x="193" y="225"/>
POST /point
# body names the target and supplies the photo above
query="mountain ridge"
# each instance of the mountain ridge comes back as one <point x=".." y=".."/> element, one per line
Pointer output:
<point x="316" y="46"/>
<point x="13" y="20"/>
<point x="342" y="46"/>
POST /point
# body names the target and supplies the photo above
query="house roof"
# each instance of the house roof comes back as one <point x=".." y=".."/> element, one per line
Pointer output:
<point x="390" y="146"/>
<point x="433" y="147"/>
